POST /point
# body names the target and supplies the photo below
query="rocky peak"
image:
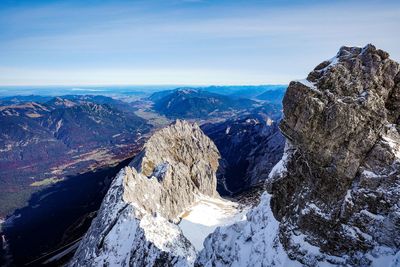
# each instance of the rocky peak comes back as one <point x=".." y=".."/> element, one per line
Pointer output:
<point x="342" y="182"/>
<point x="137" y="222"/>
<point x="178" y="162"/>
<point x="333" y="199"/>
<point x="343" y="101"/>
<point x="59" y="101"/>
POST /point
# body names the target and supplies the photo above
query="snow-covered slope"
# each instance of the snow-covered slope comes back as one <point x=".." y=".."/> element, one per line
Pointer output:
<point x="118" y="237"/>
<point x="253" y="242"/>
<point x="206" y="215"/>
<point x="174" y="177"/>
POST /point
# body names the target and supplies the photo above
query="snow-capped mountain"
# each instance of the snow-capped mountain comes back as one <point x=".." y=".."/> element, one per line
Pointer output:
<point x="161" y="207"/>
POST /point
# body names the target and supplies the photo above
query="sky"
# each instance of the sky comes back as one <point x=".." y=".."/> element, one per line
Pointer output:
<point x="183" y="42"/>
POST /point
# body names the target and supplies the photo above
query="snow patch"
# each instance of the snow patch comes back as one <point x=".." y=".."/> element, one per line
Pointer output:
<point x="254" y="242"/>
<point x="160" y="170"/>
<point x="394" y="145"/>
<point x="312" y="208"/>
<point x="205" y="216"/>
<point x="308" y="84"/>
<point x="59" y="124"/>
<point x="280" y="168"/>
<point x="370" y="174"/>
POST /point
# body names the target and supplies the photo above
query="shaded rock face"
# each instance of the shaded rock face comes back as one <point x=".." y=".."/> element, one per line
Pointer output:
<point x="342" y="184"/>
<point x="136" y="224"/>
<point x="250" y="146"/>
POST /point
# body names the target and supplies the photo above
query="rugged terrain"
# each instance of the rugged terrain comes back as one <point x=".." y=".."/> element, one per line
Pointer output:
<point x="172" y="181"/>
<point x="250" y="146"/>
<point x="43" y="143"/>
<point x="43" y="113"/>
<point x="333" y="199"/>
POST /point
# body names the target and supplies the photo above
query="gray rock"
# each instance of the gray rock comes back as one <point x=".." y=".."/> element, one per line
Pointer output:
<point x="334" y="198"/>
<point x="136" y="224"/>
<point x="342" y="187"/>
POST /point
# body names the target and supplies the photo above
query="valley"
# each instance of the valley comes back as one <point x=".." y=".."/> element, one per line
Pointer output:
<point x="50" y="137"/>
<point x="199" y="133"/>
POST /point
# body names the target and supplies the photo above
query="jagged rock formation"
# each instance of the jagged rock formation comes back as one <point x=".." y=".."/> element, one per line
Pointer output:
<point x="136" y="223"/>
<point x="180" y="162"/>
<point x="343" y="186"/>
<point x="336" y="190"/>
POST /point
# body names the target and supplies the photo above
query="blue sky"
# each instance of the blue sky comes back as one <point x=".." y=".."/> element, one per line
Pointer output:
<point x="192" y="42"/>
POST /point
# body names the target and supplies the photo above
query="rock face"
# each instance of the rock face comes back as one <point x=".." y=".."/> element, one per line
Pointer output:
<point x="136" y="225"/>
<point x="180" y="162"/>
<point x="250" y="146"/>
<point x="342" y="187"/>
<point x="336" y="191"/>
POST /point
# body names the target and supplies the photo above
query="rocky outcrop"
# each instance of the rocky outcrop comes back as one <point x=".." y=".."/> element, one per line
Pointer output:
<point x="177" y="163"/>
<point x="335" y="193"/>
<point x="342" y="186"/>
<point x="136" y="225"/>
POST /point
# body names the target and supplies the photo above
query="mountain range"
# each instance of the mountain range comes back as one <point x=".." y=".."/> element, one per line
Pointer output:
<point x="225" y="181"/>
<point x="331" y="200"/>
<point x="83" y="138"/>
<point x="63" y="136"/>
<point x="195" y="103"/>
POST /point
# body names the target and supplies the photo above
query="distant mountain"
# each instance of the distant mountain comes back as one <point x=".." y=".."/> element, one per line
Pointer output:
<point x="195" y="103"/>
<point x="43" y="143"/>
<point x="273" y="96"/>
<point x="66" y="101"/>
<point x="238" y="91"/>
<point x="10" y="100"/>
<point x="243" y="91"/>
<point x="157" y="96"/>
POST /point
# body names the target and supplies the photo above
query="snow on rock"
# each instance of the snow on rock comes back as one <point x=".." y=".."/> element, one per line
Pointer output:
<point x="206" y="215"/>
<point x="117" y="237"/>
<point x="280" y="168"/>
<point x="137" y="222"/>
<point x="308" y="84"/>
<point x="253" y="242"/>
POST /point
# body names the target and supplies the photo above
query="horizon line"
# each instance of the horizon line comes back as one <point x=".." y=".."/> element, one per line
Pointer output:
<point x="116" y="85"/>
